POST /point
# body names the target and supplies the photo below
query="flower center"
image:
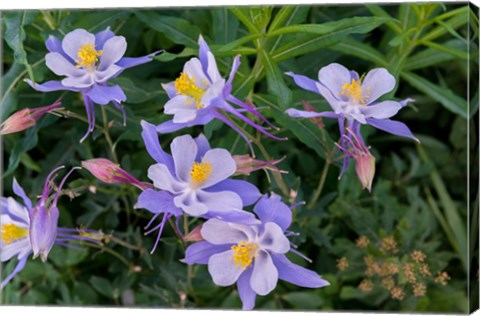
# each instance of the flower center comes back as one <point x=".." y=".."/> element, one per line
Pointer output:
<point x="10" y="232"/>
<point x="200" y="172"/>
<point x="185" y="85"/>
<point x="88" y="56"/>
<point x="354" y="91"/>
<point x="243" y="254"/>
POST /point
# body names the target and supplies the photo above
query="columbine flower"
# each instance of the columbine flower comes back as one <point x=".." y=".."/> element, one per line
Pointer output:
<point x="200" y="94"/>
<point x="26" y="118"/>
<point x="253" y="256"/>
<point x="26" y="229"/>
<point x="109" y="172"/>
<point x="88" y="61"/>
<point x="364" y="160"/>
<point x="353" y="99"/>
<point x="193" y="180"/>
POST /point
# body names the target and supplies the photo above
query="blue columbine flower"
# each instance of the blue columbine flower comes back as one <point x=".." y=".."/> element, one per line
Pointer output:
<point x="193" y="180"/>
<point x="253" y="256"/>
<point x="27" y="228"/>
<point x="354" y="99"/>
<point x="200" y="94"/>
<point x="88" y="61"/>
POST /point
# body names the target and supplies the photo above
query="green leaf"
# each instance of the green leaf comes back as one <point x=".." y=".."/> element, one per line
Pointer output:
<point x="431" y="56"/>
<point x="276" y="82"/>
<point x="134" y="93"/>
<point x="176" y="29"/>
<point x="29" y="141"/>
<point x="166" y="56"/>
<point x="462" y="54"/>
<point x="363" y="51"/>
<point x="308" y="43"/>
<point x="224" y="26"/>
<point x="226" y="50"/>
<point x="378" y="11"/>
<point x="286" y="16"/>
<point x="243" y="14"/>
<point x="446" y="26"/>
<point x="304" y="300"/>
<point x="445" y="96"/>
<point x="102" y="285"/>
<point x="306" y="131"/>
<point x="15" y="35"/>
<point x="328" y="27"/>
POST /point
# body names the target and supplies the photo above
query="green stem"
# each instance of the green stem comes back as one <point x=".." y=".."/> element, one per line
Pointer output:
<point x="110" y="251"/>
<point x="107" y="134"/>
<point x="319" y="188"/>
<point x="189" y="267"/>
<point x="126" y="244"/>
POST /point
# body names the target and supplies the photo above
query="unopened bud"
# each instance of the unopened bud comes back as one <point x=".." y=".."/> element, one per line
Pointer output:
<point x="194" y="235"/>
<point x="246" y="165"/>
<point x="26" y="118"/>
<point x="109" y="172"/>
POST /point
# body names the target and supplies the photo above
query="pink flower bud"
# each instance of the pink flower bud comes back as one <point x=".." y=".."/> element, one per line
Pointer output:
<point x="109" y="172"/>
<point x="247" y="164"/>
<point x="364" y="160"/>
<point x="26" y="118"/>
<point x="194" y="235"/>
<point x="365" y="168"/>
<point x="317" y="120"/>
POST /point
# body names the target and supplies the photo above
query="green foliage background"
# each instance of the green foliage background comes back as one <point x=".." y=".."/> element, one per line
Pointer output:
<point x="420" y="193"/>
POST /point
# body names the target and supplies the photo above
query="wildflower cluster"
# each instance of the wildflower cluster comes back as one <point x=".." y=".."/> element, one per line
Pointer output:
<point x="386" y="267"/>
<point x="241" y="233"/>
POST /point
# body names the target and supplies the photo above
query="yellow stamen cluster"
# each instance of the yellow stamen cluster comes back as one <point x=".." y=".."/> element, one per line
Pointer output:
<point x="10" y="232"/>
<point x="185" y="85"/>
<point x="354" y="91"/>
<point x="200" y="172"/>
<point x="243" y="254"/>
<point x="88" y="56"/>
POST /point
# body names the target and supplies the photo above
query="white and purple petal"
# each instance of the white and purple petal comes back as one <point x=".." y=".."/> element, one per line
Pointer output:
<point x="273" y="239"/>
<point x="73" y="41"/>
<point x="218" y="232"/>
<point x="113" y="50"/>
<point x="376" y="83"/>
<point x="334" y="77"/>
<point x="222" y="269"/>
<point x="222" y="163"/>
<point x="265" y="275"/>
<point x="164" y="180"/>
<point x="184" y="150"/>
<point x="382" y="110"/>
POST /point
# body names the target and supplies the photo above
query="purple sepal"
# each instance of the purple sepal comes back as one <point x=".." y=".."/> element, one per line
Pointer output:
<point x="19" y="267"/>
<point x="392" y="127"/>
<point x="272" y="209"/>
<point x="150" y="138"/>
<point x="295" y="274"/>
<point x="247" y="295"/>
<point x="157" y="202"/>
<point x="247" y="191"/>
<point x="200" y="252"/>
